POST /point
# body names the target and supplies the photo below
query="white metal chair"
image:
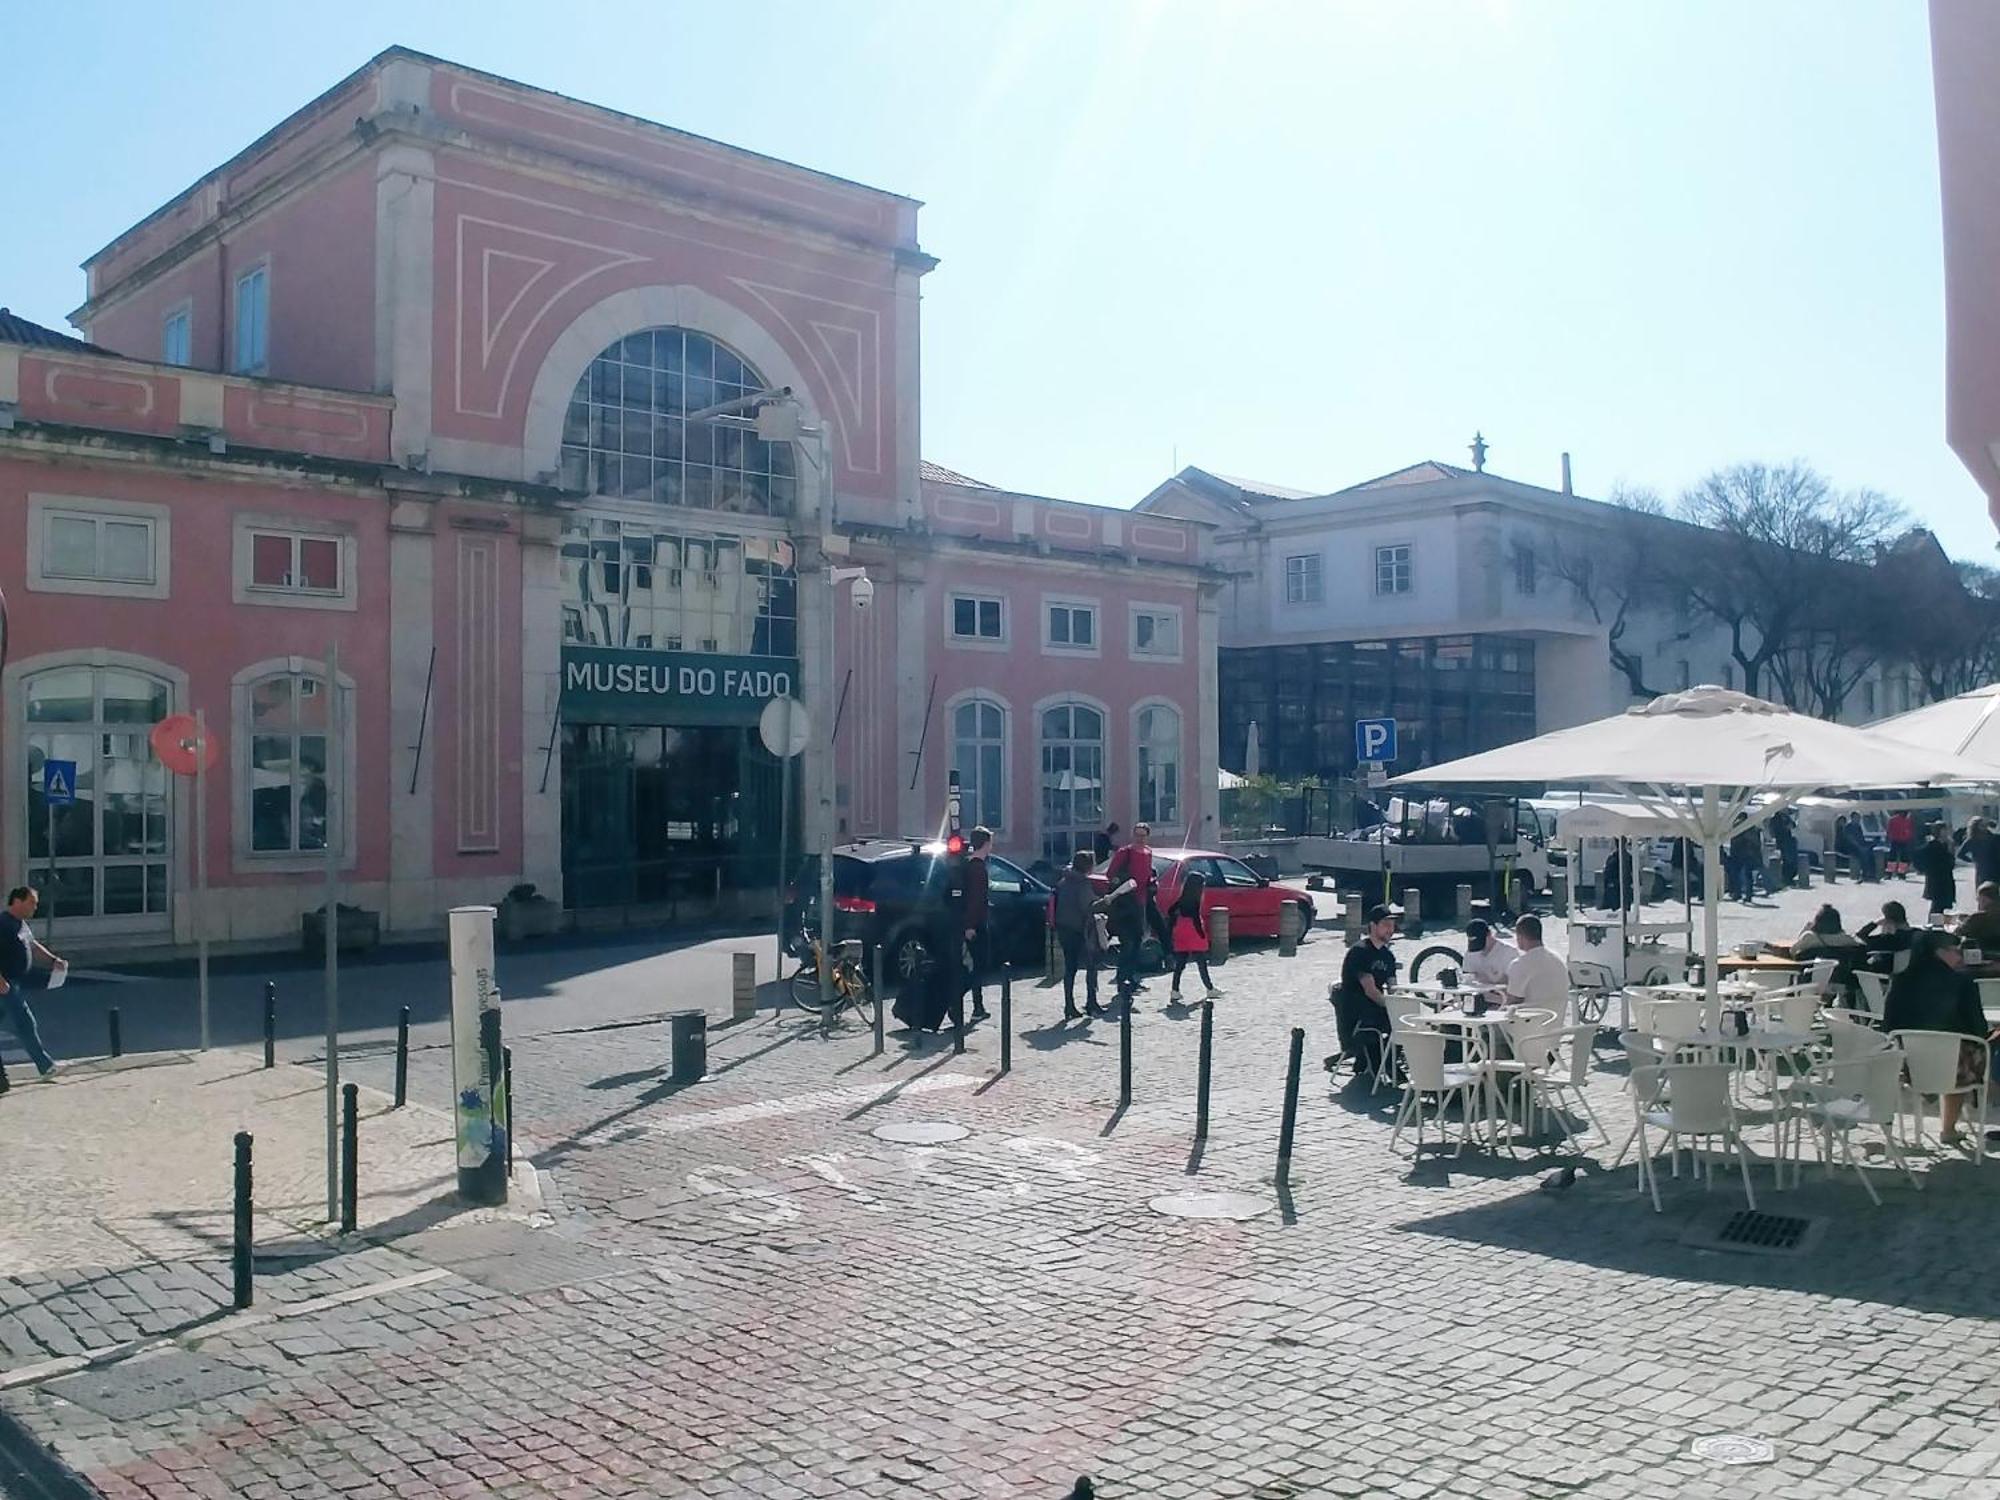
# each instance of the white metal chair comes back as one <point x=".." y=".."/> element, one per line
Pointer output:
<point x="1557" y="1065"/>
<point x="1425" y="1072"/>
<point x="1864" y="1090"/>
<point x="1675" y="1020"/>
<point x="1643" y="1054"/>
<point x="1989" y="999"/>
<point x="1404" y="1011"/>
<point x="1820" y="980"/>
<point x="1930" y="1061"/>
<point x="1690" y="1102"/>
<point x="1874" y="991"/>
<point x="1794" y="1009"/>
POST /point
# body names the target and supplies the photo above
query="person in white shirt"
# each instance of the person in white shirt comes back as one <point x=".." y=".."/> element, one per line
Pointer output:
<point x="1487" y="957"/>
<point x="1537" y="977"/>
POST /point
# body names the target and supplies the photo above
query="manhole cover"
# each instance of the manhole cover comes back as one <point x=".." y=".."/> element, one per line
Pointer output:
<point x="919" y="1132"/>
<point x="139" y="1387"/>
<point x="1749" y="1232"/>
<point x="1211" y="1205"/>
<point x="1734" y="1448"/>
<point x="511" y="1257"/>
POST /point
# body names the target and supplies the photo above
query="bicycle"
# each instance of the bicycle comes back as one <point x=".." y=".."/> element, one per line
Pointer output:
<point x="851" y="987"/>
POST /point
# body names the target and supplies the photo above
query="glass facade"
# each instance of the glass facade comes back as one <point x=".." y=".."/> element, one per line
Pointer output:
<point x="652" y="588"/>
<point x="1450" y="695"/>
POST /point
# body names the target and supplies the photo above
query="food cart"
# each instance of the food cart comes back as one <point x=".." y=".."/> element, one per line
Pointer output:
<point x="1627" y="944"/>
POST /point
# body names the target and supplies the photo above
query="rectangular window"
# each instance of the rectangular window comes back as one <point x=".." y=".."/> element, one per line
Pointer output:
<point x="1524" y="568"/>
<point x="1302" y="579"/>
<point x="1868" y="699"/>
<point x="1072" y="625"/>
<point x="1393" y="574"/>
<point x="174" y="339"/>
<point x="974" y="618"/>
<point x="294" y="563"/>
<point x="1683" y="675"/>
<point x="99" y="549"/>
<point x="253" y="321"/>
<point x="1156" y="632"/>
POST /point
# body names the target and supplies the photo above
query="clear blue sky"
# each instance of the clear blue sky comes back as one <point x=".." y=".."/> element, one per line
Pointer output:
<point x="1305" y="241"/>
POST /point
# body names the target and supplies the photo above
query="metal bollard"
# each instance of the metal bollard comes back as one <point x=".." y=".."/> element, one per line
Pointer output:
<point x="1052" y="964"/>
<point x="1291" y="1107"/>
<point x="1288" y="929"/>
<point x="1413" y="912"/>
<point x="239" y="1250"/>
<point x="270" y="1023"/>
<point x="743" y="986"/>
<point x="881" y="1003"/>
<point x="688" y="1034"/>
<point x="1006" y="1018"/>
<point x="117" y="1036"/>
<point x="403" y="1058"/>
<point x="1462" y="904"/>
<point x="1125" y="1053"/>
<point x="958" y="1025"/>
<point x="350" y="1151"/>
<point x="507" y="1083"/>
<point x="5" y="1082"/>
<point x="1201" y="1076"/>
<point x="1218" y="935"/>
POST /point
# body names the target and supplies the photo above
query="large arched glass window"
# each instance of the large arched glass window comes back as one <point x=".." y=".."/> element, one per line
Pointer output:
<point x="979" y="755"/>
<point x="1072" y="779"/>
<point x="1159" y="764"/>
<point x="626" y="433"/>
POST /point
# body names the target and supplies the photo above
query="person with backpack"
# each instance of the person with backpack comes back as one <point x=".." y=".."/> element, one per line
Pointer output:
<point x="1189" y="930"/>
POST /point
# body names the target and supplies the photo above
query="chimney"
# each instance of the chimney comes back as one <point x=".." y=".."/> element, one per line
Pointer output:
<point x="1566" y="484"/>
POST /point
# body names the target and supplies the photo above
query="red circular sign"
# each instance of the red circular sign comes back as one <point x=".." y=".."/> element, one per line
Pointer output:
<point x="180" y="742"/>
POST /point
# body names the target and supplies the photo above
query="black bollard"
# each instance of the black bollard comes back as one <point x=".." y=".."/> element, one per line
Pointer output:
<point x="881" y="1002"/>
<point x="270" y="1023"/>
<point x="507" y="1083"/>
<point x="5" y="1082"/>
<point x="403" y="1058"/>
<point x="1291" y="1107"/>
<point x="239" y="1253"/>
<point x="1006" y="1018"/>
<point x="117" y="1034"/>
<point x="350" y="1152"/>
<point x="1201" y="1071"/>
<point x="1125" y="1053"/>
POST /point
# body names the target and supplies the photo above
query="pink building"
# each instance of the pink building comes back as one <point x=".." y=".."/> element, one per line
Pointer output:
<point x="1965" y="60"/>
<point x="413" y="375"/>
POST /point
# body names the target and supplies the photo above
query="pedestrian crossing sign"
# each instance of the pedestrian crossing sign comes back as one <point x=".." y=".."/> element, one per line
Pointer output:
<point x="59" y="782"/>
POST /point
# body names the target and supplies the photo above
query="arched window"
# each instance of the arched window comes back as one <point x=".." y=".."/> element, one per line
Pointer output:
<point x="1159" y="737"/>
<point x="626" y="434"/>
<point x="979" y="755"/>
<point x="111" y="843"/>
<point x="1072" y="778"/>
<point x="281" y="731"/>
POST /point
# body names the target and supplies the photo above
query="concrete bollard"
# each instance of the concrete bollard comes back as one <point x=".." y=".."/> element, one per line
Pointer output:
<point x="1462" y="904"/>
<point x="1559" y="892"/>
<point x="1218" y="935"/>
<point x="1832" y="867"/>
<point x="1413" y="911"/>
<point x="688" y="1030"/>
<point x="1288" y="929"/>
<point x="1350" y="915"/>
<point x="742" y="986"/>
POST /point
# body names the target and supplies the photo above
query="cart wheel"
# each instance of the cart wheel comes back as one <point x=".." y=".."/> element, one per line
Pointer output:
<point x="1441" y="955"/>
<point x="1590" y="1007"/>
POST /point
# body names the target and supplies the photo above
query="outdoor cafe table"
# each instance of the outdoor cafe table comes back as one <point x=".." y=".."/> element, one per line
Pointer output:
<point x="1763" y="963"/>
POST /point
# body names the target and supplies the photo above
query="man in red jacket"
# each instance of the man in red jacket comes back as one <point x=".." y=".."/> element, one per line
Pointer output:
<point x="978" y="938"/>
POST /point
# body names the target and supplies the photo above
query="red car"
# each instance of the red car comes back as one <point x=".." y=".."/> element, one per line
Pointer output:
<point x="1251" y="900"/>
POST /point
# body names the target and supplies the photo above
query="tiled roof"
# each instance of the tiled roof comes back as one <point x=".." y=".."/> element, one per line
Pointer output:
<point x="939" y="474"/>
<point x="15" y="329"/>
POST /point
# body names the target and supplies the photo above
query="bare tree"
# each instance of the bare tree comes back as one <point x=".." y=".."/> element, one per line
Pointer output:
<point x="1613" y="577"/>
<point x="1949" y="627"/>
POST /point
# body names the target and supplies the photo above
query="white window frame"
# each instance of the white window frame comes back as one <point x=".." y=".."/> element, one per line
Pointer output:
<point x="260" y="364"/>
<point x="1051" y="646"/>
<point x="1140" y="746"/>
<point x="976" y="642"/>
<point x="245" y="589"/>
<point x="983" y="699"/>
<point x="1315" y="574"/>
<point x="158" y="518"/>
<point x="341" y="763"/>
<point x="181" y="313"/>
<point x="1164" y="611"/>
<point x="1408" y="564"/>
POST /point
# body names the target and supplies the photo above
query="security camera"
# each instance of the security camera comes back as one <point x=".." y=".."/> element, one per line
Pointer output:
<point x="864" y="591"/>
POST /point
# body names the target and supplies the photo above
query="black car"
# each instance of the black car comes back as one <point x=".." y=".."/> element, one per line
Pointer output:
<point x="886" y="891"/>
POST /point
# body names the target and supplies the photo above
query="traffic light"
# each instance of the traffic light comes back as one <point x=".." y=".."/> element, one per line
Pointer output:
<point x="954" y="845"/>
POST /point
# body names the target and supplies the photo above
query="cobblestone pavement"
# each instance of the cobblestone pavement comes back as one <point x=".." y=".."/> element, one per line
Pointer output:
<point x="741" y="1291"/>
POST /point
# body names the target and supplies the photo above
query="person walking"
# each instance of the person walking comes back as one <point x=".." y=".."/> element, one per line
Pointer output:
<point x="978" y="935"/>
<point x="1939" y="867"/>
<point x="18" y="951"/>
<point x="1901" y="831"/>
<point x="1746" y="852"/>
<point x="1190" y="937"/>
<point x="1073" y="913"/>
<point x="1785" y="834"/>
<point x="1982" y="847"/>
<point x="1106" y="842"/>
<point x="1132" y="867"/>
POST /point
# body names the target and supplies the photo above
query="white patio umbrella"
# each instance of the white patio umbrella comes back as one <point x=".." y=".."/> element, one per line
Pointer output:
<point x="1253" y="752"/>
<point x="1713" y="762"/>
<point x="1967" y="725"/>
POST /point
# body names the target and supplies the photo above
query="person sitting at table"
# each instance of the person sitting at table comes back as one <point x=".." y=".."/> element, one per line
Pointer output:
<point x="1537" y="977"/>
<point x="1359" y="1003"/>
<point x="1487" y="956"/>
<point x="1888" y="939"/>
<point x="1982" y="929"/>
<point x="1932" y="994"/>
<point x="1825" y="938"/>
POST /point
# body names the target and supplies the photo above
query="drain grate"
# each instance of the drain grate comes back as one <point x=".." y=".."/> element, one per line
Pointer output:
<point x="1750" y="1232"/>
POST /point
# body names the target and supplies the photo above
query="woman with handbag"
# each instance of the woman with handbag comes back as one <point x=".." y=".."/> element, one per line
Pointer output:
<point x="1190" y="937"/>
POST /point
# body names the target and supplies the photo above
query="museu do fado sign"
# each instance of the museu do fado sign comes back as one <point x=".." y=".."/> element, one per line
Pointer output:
<point x="610" y="685"/>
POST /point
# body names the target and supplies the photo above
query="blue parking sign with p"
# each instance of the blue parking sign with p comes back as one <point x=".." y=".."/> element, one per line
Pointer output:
<point x="1374" y="739"/>
<point x="59" y="782"/>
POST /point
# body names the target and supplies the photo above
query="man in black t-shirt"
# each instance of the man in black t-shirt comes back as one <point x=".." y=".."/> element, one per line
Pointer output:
<point x="1359" y="1004"/>
<point x="18" y="952"/>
